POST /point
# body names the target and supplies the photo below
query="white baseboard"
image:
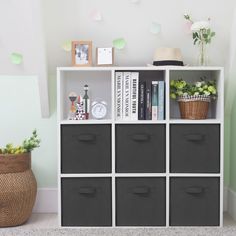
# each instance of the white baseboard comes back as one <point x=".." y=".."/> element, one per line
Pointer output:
<point x="46" y="201"/>
<point x="232" y="203"/>
<point x="225" y="204"/>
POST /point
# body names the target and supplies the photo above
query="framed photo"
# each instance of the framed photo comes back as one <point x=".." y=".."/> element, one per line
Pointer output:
<point x="82" y="53"/>
<point x="105" y="56"/>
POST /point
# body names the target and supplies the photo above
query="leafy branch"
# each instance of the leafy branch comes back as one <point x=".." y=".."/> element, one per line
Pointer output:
<point x="28" y="145"/>
<point x="202" y="87"/>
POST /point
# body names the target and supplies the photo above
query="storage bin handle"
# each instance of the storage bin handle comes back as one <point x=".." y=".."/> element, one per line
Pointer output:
<point x="87" y="190"/>
<point x="194" y="137"/>
<point x="194" y="190"/>
<point x="140" y="137"/>
<point x="86" y="137"/>
<point x="141" y="190"/>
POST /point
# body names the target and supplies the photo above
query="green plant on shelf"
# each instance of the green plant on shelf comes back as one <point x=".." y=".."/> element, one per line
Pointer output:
<point x="203" y="87"/>
<point x="28" y="145"/>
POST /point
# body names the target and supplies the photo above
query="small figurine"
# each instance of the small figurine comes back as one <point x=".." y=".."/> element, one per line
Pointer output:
<point x="79" y="114"/>
<point x="86" y="102"/>
<point x="72" y="97"/>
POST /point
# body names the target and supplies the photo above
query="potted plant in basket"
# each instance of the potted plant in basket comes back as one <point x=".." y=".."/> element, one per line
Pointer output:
<point x="17" y="182"/>
<point x="193" y="98"/>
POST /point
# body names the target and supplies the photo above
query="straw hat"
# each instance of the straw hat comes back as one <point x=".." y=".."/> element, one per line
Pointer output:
<point x="168" y="57"/>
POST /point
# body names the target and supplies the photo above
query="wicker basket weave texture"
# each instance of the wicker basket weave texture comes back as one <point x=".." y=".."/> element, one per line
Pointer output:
<point x="10" y="163"/>
<point x="194" y="107"/>
<point x="194" y="110"/>
<point x="17" y="193"/>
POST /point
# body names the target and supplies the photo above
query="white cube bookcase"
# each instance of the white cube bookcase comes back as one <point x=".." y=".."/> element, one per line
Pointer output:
<point x="101" y="81"/>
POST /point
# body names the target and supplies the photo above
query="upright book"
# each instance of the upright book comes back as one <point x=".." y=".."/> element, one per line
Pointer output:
<point x="161" y="100"/>
<point x="154" y="100"/>
<point x="126" y="95"/>
<point x="148" y="100"/>
<point x="134" y="95"/>
<point x="119" y="95"/>
<point x="142" y="100"/>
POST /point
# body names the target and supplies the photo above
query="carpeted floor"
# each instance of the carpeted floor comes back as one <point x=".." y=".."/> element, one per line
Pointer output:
<point x="47" y="225"/>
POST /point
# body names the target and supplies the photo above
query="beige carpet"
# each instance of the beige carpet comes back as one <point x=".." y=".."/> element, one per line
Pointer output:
<point x="46" y="224"/>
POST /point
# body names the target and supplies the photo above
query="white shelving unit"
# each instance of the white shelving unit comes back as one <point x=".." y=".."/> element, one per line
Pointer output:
<point x="101" y="81"/>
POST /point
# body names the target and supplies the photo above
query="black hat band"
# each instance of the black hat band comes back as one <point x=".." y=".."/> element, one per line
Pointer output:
<point x="168" y="63"/>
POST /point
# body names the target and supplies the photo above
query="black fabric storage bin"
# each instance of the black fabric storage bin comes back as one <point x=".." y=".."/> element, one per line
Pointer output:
<point x="86" y="202"/>
<point x="86" y="148"/>
<point x="195" y="148"/>
<point x="194" y="201"/>
<point x="140" y="148"/>
<point x="140" y="201"/>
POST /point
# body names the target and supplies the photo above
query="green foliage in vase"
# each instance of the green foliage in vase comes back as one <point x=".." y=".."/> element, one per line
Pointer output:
<point x="28" y="145"/>
<point x="202" y="87"/>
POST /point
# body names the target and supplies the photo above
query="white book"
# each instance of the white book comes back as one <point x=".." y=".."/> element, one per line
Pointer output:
<point x="126" y="95"/>
<point x="119" y="95"/>
<point x="134" y="95"/>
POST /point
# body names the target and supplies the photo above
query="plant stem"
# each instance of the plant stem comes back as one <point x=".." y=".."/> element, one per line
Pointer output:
<point x="202" y="53"/>
<point x="202" y="47"/>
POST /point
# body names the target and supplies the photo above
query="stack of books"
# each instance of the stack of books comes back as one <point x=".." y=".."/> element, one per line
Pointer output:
<point x="138" y="99"/>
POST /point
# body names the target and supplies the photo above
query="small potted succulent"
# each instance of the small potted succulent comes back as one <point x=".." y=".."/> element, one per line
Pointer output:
<point x="193" y="98"/>
<point x="17" y="182"/>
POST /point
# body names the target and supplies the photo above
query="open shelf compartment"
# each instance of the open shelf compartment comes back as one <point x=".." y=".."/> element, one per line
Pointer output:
<point x="215" y="107"/>
<point x="74" y="81"/>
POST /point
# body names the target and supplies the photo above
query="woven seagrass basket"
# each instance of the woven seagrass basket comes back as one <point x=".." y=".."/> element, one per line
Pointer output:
<point x="194" y="107"/>
<point x="18" y="189"/>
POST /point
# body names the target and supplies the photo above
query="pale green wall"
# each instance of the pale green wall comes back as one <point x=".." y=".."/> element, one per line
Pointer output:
<point x="233" y="148"/>
<point x="20" y="114"/>
<point x="227" y="151"/>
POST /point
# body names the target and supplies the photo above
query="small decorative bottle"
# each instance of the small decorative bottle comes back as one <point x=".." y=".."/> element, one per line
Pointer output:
<point x="72" y="98"/>
<point x="86" y="102"/>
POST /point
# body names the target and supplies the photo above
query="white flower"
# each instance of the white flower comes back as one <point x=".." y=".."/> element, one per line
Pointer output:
<point x="198" y="84"/>
<point x="200" y="25"/>
<point x="196" y="93"/>
<point x="206" y="93"/>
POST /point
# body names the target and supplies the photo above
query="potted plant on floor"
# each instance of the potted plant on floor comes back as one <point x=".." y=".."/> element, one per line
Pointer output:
<point x="193" y="98"/>
<point x="18" y="185"/>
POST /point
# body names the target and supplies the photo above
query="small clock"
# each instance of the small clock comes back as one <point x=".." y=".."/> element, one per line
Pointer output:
<point x="99" y="109"/>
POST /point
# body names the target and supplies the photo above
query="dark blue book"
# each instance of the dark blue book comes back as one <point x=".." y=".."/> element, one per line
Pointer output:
<point x="148" y="95"/>
<point x="142" y="100"/>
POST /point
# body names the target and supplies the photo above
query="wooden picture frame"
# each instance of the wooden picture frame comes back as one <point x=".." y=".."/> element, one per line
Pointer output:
<point x="105" y="56"/>
<point x="81" y="53"/>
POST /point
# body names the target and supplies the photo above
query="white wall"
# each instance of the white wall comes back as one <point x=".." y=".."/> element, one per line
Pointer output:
<point x="21" y="31"/>
<point x="70" y="20"/>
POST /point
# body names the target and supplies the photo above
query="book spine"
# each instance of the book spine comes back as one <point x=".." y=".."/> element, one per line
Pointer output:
<point x="141" y="105"/>
<point x="148" y="101"/>
<point x="119" y="95"/>
<point x="134" y="95"/>
<point x="126" y="96"/>
<point x="161" y="100"/>
<point x="154" y="100"/>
